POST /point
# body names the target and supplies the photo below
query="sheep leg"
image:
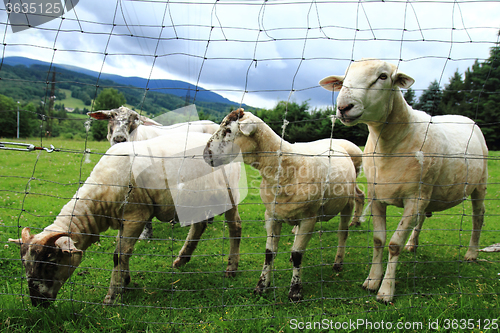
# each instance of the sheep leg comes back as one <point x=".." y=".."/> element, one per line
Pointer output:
<point x="273" y="229"/>
<point x="358" y="207"/>
<point x="413" y="241"/>
<point x="374" y="278"/>
<point x="192" y="239"/>
<point x="302" y="236"/>
<point x="147" y="233"/>
<point x="342" y="235"/>
<point x="234" y="224"/>
<point x="120" y="277"/>
<point x="396" y="245"/>
<point x="478" y="210"/>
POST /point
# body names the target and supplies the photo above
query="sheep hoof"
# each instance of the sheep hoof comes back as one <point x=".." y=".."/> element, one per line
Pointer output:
<point x="371" y="285"/>
<point x="181" y="261"/>
<point x="355" y="223"/>
<point x="470" y="259"/>
<point x="411" y="248"/>
<point x="109" y="300"/>
<point x="295" y="293"/>
<point x="384" y="299"/>
<point x="337" y="267"/>
<point x="230" y="273"/>
<point x="261" y="287"/>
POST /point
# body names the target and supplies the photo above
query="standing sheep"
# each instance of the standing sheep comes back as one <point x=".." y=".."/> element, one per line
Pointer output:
<point x="301" y="184"/>
<point x="127" y="188"/>
<point x="411" y="160"/>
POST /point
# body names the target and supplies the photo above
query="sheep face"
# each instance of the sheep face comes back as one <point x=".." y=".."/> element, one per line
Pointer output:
<point x="121" y="123"/>
<point x="49" y="261"/>
<point x="232" y="137"/>
<point x="366" y="91"/>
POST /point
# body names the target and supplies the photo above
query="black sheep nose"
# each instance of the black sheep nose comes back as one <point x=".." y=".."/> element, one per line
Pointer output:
<point x="344" y="109"/>
<point x="119" y="139"/>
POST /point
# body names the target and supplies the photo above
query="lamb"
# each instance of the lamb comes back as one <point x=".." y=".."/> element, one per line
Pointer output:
<point x="301" y="184"/>
<point x="126" y="189"/>
<point x="125" y="125"/>
<point x="411" y="160"/>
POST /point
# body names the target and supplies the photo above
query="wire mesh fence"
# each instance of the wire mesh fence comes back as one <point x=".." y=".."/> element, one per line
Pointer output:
<point x="267" y="275"/>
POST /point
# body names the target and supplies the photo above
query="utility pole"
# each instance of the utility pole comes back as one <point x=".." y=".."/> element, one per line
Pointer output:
<point x="17" y="120"/>
<point x="51" y="102"/>
<point x="187" y="100"/>
<point x="52" y="98"/>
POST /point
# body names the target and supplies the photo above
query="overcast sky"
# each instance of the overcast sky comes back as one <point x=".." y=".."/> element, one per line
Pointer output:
<point x="258" y="52"/>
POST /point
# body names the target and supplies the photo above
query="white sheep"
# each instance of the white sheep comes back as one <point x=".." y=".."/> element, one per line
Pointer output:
<point x="301" y="184"/>
<point x="132" y="183"/>
<point x="124" y="125"/>
<point x="411" y="160"/>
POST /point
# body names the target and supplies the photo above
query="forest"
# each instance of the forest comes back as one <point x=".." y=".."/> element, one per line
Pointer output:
<point x="474" y="94"/>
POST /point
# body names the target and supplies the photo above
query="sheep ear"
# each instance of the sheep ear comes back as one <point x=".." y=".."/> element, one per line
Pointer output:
<point x="25" y="237"/>
<point x="102" y="115"/>
<point x="247" y="127"/>
<point x="149" y="122"/>
<point x="18" y="241"/>
<point x="402" y="80"/>
<point x="332" y="83"/>
<point x="67" y="245"/>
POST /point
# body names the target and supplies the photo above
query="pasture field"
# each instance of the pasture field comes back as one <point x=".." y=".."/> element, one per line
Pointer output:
<point x="436" y="290"/>
<point x="71" y="102"/>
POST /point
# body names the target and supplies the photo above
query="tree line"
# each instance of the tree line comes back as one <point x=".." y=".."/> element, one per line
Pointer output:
<point x="474" y="94"/>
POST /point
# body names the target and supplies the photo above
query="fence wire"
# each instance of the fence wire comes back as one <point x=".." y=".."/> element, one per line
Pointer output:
<point x="267" y="57"/>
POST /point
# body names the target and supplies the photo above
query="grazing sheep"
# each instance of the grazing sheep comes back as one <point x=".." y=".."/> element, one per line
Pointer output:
<point x="411" y="160"/>
<point x="125" y="125"/>
<point x="301" y="184"/>
<point x="127" y="188"/>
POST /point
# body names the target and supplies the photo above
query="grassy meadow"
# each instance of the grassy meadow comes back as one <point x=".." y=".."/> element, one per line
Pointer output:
<point x="434" y="285"/>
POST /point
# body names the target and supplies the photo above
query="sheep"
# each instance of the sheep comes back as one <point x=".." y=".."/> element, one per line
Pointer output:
<point x="124" y="125"/>
<point x="127" y="188"/>
<point x="411" y="160"/>
<point x="356" y="155"/>
<point x="301" y="184"/>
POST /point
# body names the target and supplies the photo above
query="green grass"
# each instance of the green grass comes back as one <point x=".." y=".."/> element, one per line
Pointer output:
<point x="71" y="102"/>
<point x="433" y="284"/>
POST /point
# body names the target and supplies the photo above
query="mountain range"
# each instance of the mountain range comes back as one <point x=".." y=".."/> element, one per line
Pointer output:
<point x="173" y="87"/>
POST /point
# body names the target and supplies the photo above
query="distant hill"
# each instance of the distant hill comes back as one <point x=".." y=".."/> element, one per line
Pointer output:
<point x="173" y="87"/>
<point x="26" y="79"/>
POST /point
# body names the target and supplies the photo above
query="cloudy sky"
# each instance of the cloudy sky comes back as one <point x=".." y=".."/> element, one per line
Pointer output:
<point x="261" y="52"/>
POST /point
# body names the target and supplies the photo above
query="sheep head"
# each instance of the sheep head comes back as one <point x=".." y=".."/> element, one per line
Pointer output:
<point x="366" y="90"/>
<point x="49" y="259"/>
<point x="233" y="136"/>
<point x="121" y="123"/>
